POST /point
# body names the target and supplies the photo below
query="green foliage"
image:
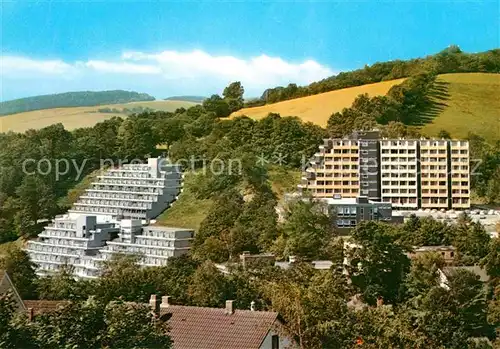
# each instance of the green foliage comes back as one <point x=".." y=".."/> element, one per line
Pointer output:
<point x="208" y="286"/>
<point x="377" y="263"/>
<point x="63" y="286"/>
<point x="21" y="270"/>
<point x="424" y="274"/>
<point x="122" y="278"/>
<point x="485" y="160"/>
<point x="13" y="332"/>
<point x="215" y="104"/>
<point x="446" y="61"/>
<point x="449" y="317"/>
<point x="312" y="305"/>
<point x="307" y="229"/>
<point x="405" y="104"/>
<point x="233" y="94"/>
<point x="92" y="324"/>
<point x="71" y="99"/>
<point x="426" y="231"/>
<point x="136" y="139"/>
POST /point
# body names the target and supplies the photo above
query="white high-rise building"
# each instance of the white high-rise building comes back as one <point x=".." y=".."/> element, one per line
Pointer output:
<point x="132" y="191"/>
<point x="407" y="173"/>
<point x="69" y="241"/>
<point x="398" y="167"/>
<point x="155" y="244"/>
<point x="112" y="217"/>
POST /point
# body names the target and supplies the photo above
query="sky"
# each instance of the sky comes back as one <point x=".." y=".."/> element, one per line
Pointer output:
<point x="167" y="48"/>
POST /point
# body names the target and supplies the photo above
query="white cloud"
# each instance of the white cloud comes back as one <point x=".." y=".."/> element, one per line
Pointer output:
<point x="14" y="66"/>
<point x="159" y="73"/>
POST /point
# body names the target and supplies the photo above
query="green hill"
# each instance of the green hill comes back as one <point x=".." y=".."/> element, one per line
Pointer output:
<point x="189" y="212"/>
<point x="71" y="99"/>
<point x="472" y="104"/>
<point x="194" y="99"/>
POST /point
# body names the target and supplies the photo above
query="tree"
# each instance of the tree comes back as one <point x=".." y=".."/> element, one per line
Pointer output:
<point x="21" y="270"/>
<point x="233" y="94"/>
<point x="214" y="238"/>
<point x="35" y="201"/>
<point x="208" y="288"/>
<point x="377" y="263"/>
<point x="313" y="306"/>
<point x="130" y="326"/>
<point x="471" y="241"/>
<point x="424" y="274"/>
<point x="174" y="278"/>
<point x="307" y="228"/>
<point x="217" y="105"/>
<point x="92" y="324"/>
<point x="63" y="286"/>
<point x="444" y="134"/>
<point x="135" y="138"/>
<point x="450" y="317"/>
<point x="13" y="330"/>
<point x="492" y="260"/>
<point x="122" y="278"/>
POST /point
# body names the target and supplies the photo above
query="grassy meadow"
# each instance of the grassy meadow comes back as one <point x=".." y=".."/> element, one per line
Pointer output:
<point x="471" y="104"/>
<point x="77" y="117"/>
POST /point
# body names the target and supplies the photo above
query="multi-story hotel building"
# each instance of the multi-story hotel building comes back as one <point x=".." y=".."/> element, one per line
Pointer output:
<point x="97" y="227"/>
<point x="408" y="173"/>
<point x="132" y="191"/>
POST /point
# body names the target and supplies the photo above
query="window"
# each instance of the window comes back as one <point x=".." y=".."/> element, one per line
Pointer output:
<point x="275" y="342"/>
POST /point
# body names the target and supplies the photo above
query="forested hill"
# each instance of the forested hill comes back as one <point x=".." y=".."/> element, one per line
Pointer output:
<point x="195" y="99"/>
<point x="449" y="60"/>
<point x="72" y="99"/>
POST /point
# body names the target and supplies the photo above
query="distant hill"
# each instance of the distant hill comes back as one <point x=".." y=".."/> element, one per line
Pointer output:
<point x="195" y="99"/>
<point x="472" y="105"/>
<point x="76" y="117"/>
<point x="71" y="99"/>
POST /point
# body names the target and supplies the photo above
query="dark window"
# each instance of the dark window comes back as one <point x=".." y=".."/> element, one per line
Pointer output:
<point x="275" y="342"/>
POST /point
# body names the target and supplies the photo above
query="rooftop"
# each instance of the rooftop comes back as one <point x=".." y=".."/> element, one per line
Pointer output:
<point x="215" y="328"/>
<point x="43" y="306"/>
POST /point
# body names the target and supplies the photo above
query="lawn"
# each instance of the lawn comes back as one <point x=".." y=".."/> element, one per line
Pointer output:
<point x="473" y="106"/>
<point x="187" y="211"/>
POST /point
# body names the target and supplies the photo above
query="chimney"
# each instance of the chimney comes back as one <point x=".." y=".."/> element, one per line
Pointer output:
<point x="155" y="302"/>
<point x="229" y="307"/>
<point x="380" y="301"/>
<point x="252" y="305"/>
<point x="165" y="301"/>
<point x="31" y="314"/>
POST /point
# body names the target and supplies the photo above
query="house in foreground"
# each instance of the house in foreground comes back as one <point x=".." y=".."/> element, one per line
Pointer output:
<point x="221" y="328"/>
<point x="191" y="327"/>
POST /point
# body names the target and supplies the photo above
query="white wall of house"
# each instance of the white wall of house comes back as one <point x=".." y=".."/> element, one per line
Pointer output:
<point x="284" y="342"/>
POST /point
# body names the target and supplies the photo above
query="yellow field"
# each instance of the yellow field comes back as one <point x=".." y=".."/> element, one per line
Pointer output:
<point x="77" y="117"/>
<point x="318" y="108"/>
<point x="473" y="105"/>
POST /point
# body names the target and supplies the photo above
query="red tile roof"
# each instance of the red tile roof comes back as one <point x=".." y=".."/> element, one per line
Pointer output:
<point x="43" y="306"/>
<point x="212" y="328"/>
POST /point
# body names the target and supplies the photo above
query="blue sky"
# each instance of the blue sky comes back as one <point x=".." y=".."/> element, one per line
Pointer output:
<point x="196" y="48"/>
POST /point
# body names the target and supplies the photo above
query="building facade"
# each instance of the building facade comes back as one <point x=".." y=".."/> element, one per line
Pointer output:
<point x="348" y="212"/>
<point x="132" y="191"/>
<point x="113" y="216"/>
<point x="407" y="173"/>
<point x="84" y="244"/>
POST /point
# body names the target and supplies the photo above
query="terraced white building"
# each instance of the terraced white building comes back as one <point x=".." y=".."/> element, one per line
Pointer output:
<point x="112" y="217"/>
<point x="132" y="191"/>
